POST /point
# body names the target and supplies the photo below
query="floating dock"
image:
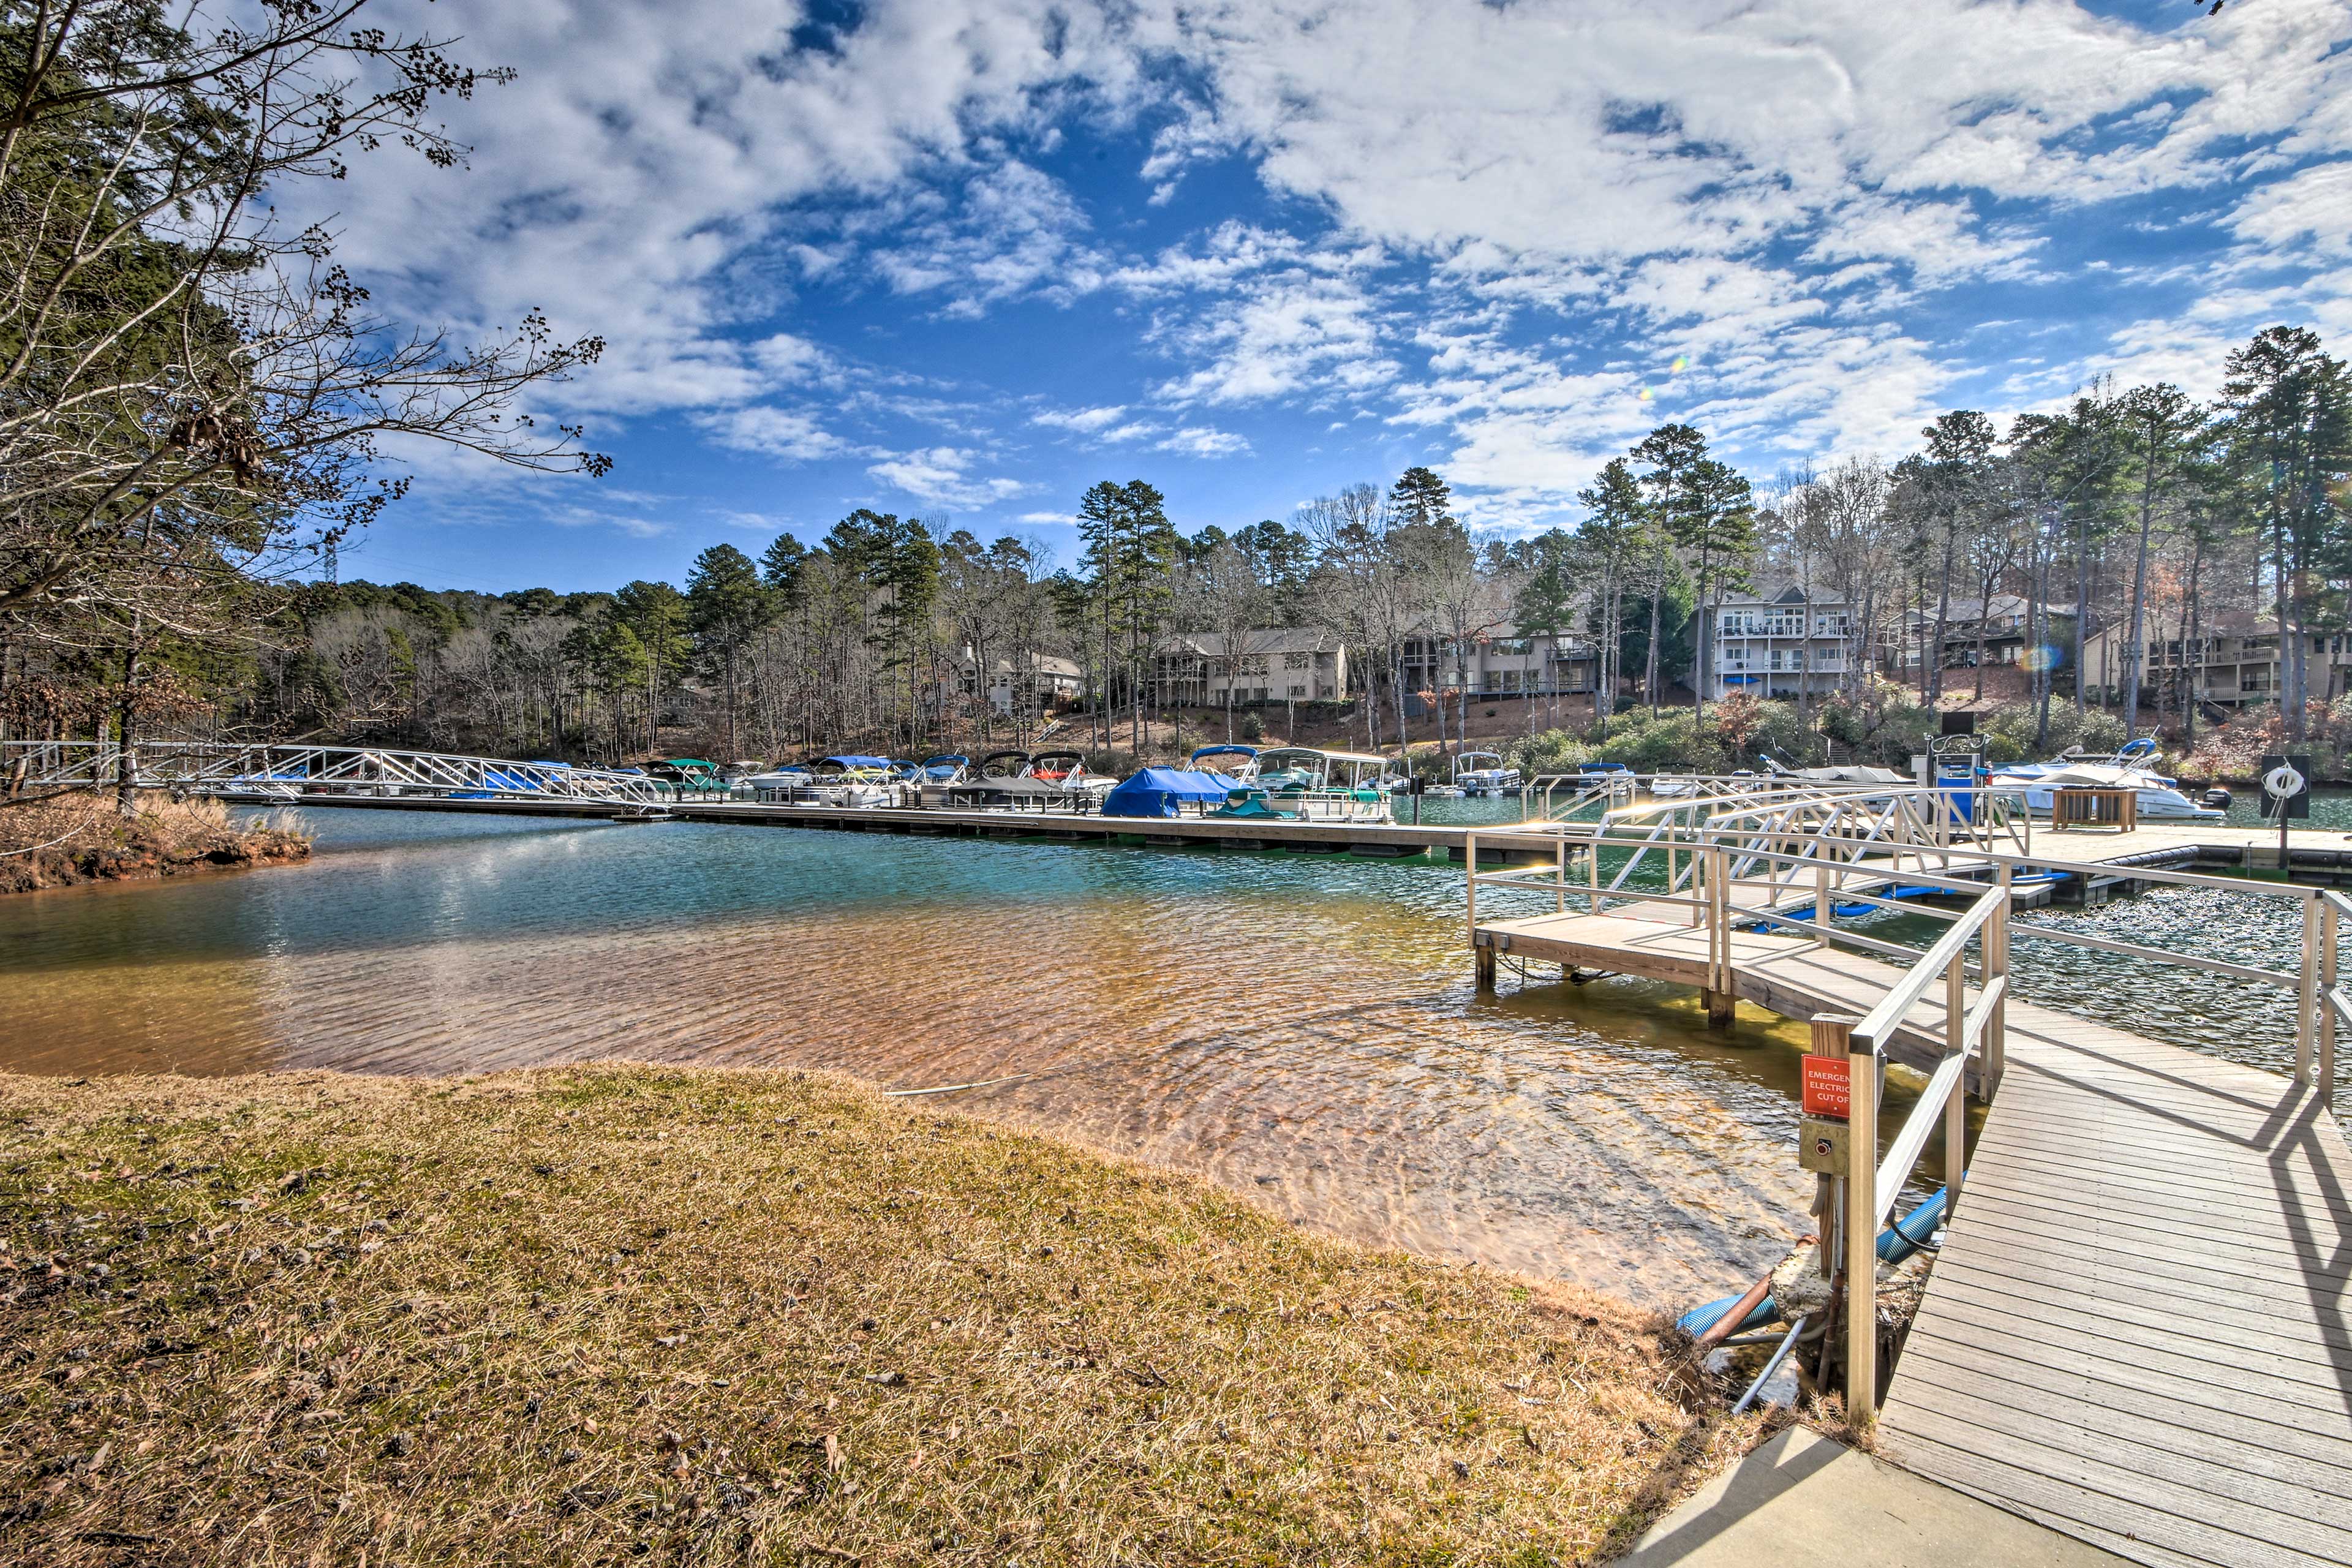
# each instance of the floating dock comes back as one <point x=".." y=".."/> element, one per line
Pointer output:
<point x="2139" y="1331"/>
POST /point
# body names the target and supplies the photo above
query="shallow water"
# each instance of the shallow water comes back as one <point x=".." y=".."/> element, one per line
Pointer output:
<point x="1301" y="1029"/>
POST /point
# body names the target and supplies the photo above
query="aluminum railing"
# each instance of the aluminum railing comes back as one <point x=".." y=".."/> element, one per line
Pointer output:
<point x="292" y="772"/>
<point x="1711" y="888"/>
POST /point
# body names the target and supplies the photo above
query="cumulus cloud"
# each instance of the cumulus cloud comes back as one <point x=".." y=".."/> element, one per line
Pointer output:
<point x="1204" y="441"/>
<point x="942" y="476"/>
<point x="791" y="435"/>
<point x="1085" y="421"/>
<point x="1494" y="227"/>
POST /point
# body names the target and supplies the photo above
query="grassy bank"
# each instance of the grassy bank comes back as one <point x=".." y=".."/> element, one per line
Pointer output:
<point x="85" y="837"/>
<point x="613" y="1314"/>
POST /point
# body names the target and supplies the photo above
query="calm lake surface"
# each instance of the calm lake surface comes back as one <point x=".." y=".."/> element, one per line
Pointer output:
<point x="1300" y="1029"/>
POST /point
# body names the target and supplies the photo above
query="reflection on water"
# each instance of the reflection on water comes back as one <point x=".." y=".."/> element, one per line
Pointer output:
<point x="1299" y="1028"/>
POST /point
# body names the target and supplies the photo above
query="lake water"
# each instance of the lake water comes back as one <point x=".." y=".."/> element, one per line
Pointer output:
<point x="1300" y="1029"/>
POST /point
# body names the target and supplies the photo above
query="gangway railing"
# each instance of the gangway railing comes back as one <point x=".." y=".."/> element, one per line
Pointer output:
<point x="291" y="772"/>
<point x="1718" y="886"/>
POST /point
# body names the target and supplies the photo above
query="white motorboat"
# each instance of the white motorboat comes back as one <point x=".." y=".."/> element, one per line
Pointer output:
<point x="860" y="782"/>
<point x="1483" y="773"/>
<point x="1047" y="781"/>
<point x="1315" y="786"/>
<point x="2158" y="801"/>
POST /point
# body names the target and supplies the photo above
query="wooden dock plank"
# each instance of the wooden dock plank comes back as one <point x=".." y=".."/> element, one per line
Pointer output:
<point x="2140" y="1329"/>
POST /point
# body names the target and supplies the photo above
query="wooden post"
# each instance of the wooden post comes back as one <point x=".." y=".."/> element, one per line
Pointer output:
<point x="1592" y="853"/>
<point x="1956" y="1000"/>
<point x="2306" y="1003"/>
<point x="1470" y="864"/>
<point x="1823" y="907"/>
<point x="1861" y="1222"/>
<point x="1559" y="905"/>
<point x="1482" y="960"/>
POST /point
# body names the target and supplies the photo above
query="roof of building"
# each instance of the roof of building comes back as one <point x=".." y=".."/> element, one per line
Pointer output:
<point x="1776" y="591"/>
<point x="1039" y="664"/>
<point x="1263" y="639"/>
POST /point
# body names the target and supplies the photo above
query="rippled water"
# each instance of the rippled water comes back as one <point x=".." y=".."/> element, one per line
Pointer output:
<point x="1302" y="1029"/>
<point x="1299" y="1027"/>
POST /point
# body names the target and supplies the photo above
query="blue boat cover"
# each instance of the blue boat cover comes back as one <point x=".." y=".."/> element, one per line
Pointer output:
<point x="1162" y="792"/>
<point x="860" y="762"/>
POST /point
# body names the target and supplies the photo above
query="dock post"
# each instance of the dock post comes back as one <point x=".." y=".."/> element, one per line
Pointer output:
<point x="1823" y="909"/>
<point x="1470" y="883"/>
<point x="2306" y="1012"/>
<point x="2328" y="931"/>
<point x="1861" y="1221"/>
<point x="1483" y="960"/>
<point x="1717" y="995"/>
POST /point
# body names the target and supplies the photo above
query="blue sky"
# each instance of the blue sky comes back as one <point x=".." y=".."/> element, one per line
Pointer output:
<point x="961" y="258"/>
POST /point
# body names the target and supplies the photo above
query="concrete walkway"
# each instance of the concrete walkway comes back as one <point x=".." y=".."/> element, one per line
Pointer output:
<point x="1805" y="1501"/>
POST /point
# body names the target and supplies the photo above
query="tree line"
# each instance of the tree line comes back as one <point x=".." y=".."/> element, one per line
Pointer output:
<point x="193" y="404"/>
<point x="2140" y="508"/>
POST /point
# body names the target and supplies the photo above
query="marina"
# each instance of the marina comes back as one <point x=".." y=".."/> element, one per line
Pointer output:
<point x="1887" y="914"/>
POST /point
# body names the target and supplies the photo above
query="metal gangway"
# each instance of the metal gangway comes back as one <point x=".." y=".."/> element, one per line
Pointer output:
<point x="272" y="773"/>
<point x="2137" y="1329"/>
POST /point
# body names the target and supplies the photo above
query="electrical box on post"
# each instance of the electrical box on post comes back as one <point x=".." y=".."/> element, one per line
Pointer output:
<point x="1824" y="1146"/>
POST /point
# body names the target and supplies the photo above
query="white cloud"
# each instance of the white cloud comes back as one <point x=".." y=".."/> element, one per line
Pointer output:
<point x="1294" y="333"/>
<point x="939" y="475"/>
<point x="789" y="434"/>
<point x="1085" y="421"/>
<point x="1204" y="441"/>
<point x="1493" y="226"/>
<point x="2315" y="204"/>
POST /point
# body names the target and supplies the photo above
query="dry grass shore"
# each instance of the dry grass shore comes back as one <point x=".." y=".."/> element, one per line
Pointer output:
<point x="85" y="838"/>
<point x="621" y="1315"/>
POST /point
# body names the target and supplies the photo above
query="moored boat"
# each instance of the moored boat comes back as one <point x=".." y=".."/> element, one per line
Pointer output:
<point x="1484" y="773"/>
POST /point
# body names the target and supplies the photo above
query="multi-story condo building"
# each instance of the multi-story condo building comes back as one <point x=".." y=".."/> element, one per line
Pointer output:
<point x="2234" y="661"/>
<point x="1541" y="666"/>
<point x="1048" y="682"/>
<point x="2002" y="621"/>
<point x="1277" y="664"/>
<point x="1777" y="644"/>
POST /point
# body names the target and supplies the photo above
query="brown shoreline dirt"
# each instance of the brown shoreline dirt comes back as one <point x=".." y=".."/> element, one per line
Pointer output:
<point x="83" y="837"/>
<point x="617" y="1314"/>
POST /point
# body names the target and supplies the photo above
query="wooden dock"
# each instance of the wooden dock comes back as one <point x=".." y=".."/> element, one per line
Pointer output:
<point x="1377" y="840"/>
<point x="2139" y="1330"/>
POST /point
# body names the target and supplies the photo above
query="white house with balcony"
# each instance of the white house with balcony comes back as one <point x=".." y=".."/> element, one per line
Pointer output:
<point x="1544" y="665"/>
<point x="1271" y="665"/>
<point x="1777" y="644"/>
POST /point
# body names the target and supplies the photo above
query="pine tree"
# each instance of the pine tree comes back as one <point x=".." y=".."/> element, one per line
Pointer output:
<point x="727" y="605"/>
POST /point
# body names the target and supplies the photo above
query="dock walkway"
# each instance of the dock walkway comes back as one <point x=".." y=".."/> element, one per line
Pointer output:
<point x="2139" y="1330"/>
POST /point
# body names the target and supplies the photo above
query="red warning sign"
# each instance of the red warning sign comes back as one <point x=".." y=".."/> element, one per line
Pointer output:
<point x="1829" y="1086"/>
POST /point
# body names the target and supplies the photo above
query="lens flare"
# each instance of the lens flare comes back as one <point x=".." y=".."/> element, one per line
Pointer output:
<point x="1682" y="362"/>
<point x="1645" y="395"/>
<point x="2038" y="659"/>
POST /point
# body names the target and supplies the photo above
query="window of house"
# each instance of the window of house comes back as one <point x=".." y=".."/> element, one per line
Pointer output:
<point x="1298" y="691"/>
